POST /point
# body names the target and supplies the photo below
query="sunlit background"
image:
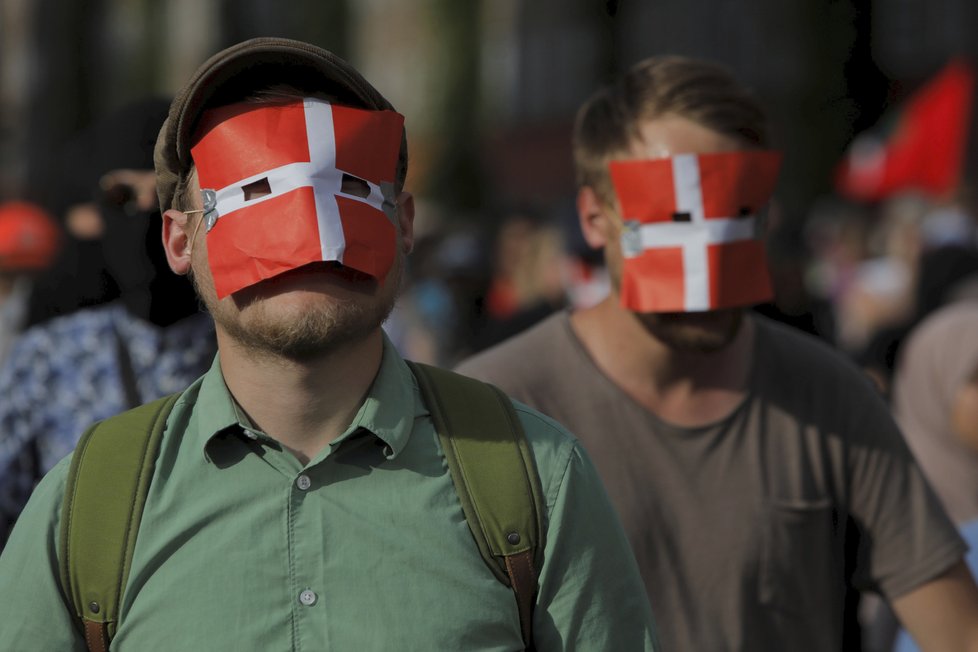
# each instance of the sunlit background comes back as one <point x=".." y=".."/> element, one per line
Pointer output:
<point x="489" y="89"/>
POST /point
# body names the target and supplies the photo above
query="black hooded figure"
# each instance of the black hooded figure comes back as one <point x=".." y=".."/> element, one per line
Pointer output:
<point x="77" y="278"/>
<point x="127" y="261"/>
<point x="132" y="243"/>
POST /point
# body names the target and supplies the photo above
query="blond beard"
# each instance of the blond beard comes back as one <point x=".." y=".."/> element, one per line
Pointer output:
<point x="705" y="332"/>
<point x="316" y="332"/>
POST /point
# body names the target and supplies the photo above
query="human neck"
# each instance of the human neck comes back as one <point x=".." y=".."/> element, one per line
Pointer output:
<point x="304" y="405"/>
<point x="686" y="388"/>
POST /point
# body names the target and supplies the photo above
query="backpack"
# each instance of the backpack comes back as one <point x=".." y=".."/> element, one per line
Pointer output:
<point x="484" y="445"/>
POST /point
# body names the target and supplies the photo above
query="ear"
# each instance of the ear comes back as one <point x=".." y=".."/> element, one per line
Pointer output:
<point x="177" y="241"/>
<point x="405" y="218"/>
<point x="597" y="223"/>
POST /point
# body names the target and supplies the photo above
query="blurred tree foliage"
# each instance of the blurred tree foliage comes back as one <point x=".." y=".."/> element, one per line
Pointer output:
<point x="455" y="177"/>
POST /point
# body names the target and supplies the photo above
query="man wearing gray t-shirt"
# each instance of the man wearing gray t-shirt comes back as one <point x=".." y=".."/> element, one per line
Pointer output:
<point x="758" y="474"/>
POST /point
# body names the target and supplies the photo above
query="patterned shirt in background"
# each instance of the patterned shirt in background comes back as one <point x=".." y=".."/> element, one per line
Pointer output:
<point x="63" y="375"/>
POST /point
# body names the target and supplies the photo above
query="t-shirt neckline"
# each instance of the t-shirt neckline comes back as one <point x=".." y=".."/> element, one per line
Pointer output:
<point x="578" y="345"/>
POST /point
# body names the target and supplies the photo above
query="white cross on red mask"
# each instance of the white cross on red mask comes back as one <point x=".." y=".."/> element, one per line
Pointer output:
<point x="298" y="183"/>
<point x="691" y="240"/>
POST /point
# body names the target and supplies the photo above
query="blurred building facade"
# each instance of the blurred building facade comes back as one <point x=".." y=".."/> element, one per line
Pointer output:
<point x="489" y="89"/>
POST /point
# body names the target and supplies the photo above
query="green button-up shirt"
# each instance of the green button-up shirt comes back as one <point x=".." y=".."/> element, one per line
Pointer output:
<point x="241" y="547"/>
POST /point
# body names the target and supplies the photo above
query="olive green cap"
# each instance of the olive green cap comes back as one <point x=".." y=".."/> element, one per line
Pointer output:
<point x="231" y="75"/>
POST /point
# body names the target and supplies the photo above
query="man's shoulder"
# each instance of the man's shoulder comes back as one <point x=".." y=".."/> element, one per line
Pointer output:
<point x="542" y="430"/>
<point x="556" y="451"/>
<point x="38" y="519"/>
<point x="801" y="376"/>
<point x="523" y="357"/>
<point x="801" y="355"/>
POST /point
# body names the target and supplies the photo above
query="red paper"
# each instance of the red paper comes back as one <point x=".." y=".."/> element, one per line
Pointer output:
<point x="692" y="241"/>
<point x="294" y="157"/>
<point x="925" y="150"/>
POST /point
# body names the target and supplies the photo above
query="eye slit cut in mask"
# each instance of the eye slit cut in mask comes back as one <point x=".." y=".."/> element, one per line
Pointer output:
<point x="257" y="189"/>
<point x="355" y="186"/>
<point x="266" y="162"/>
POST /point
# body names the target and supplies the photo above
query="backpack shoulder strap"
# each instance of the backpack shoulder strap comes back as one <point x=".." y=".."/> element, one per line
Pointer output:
<point x="494" y="474"/>
<point x="107" y="485"/>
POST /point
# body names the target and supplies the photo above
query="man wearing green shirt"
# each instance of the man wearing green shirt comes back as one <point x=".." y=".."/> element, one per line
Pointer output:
<point x="300" y="498"/>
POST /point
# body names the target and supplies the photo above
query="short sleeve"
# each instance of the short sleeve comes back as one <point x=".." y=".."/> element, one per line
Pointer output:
<point x="905" y="537"/>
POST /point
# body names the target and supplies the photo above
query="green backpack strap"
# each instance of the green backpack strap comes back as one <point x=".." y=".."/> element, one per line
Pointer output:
<point x="484" y="445"/>
<point x="107" y="485"/>
<point x="494" y="475"/>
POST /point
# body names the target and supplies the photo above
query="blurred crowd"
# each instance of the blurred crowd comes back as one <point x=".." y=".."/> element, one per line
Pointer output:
<point x="893" y="284"/>
<point x="860" y="277"/>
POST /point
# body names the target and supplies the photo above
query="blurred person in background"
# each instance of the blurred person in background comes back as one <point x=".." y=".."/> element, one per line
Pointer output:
<point x="466" y="290"/>
<point x="935" y="396"/>
<point x="78" y="278"/>
<point x="834" y="233"/>
<point x="441" y="307"/>
<point x="926" y="262"/>
<point x="794" y="304"/>
<point x="931" y="393"/>
<point x="29" y="242"/>
<point x="70" y="371"/>
<point x="528" y="277"/>
<point x="758" y="474"/>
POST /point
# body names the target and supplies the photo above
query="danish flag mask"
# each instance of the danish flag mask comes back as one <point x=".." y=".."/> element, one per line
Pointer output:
<point x="691" y="241"/>
<point x="286" y="185"/>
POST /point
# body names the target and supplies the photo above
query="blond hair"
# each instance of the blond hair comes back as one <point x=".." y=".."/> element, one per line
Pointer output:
<point x="703" y="92"/>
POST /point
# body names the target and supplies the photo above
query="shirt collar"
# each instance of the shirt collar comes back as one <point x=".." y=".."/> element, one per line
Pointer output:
<point x="389" y="410"/>
<point x="392" y="404"/>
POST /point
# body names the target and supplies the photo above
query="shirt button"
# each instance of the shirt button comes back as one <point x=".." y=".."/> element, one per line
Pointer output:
<point x="303" y="482"/>
<point x="308" y="598"/>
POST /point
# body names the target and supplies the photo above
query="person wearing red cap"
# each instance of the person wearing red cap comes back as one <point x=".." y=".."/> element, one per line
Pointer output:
<point x="301" y="499"/>
<point x="29" y="241"/>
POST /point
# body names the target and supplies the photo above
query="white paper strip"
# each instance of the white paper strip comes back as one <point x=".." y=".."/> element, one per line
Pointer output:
<point x="695" y="236"/>
<point x="320" y="173"/>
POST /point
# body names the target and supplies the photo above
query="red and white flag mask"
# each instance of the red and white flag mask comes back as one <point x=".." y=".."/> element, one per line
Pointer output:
<point x="691" y="240"/>
<point x="286" y="185"/>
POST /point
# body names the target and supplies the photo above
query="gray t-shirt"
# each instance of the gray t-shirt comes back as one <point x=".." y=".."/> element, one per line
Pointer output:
<point x="747" y="530"/>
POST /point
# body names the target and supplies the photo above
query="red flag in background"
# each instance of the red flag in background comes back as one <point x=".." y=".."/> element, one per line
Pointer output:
<point x="924" y="150"/>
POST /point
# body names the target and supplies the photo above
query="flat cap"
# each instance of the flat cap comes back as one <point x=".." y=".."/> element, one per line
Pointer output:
<point x="230" y="75"/>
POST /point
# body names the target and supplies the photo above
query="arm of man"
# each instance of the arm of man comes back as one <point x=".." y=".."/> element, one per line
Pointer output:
<point x="35" y="613"/>
<point x="591" y="596"/>
<point x="940" y="614"/>
<point x="910" y="551"/>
